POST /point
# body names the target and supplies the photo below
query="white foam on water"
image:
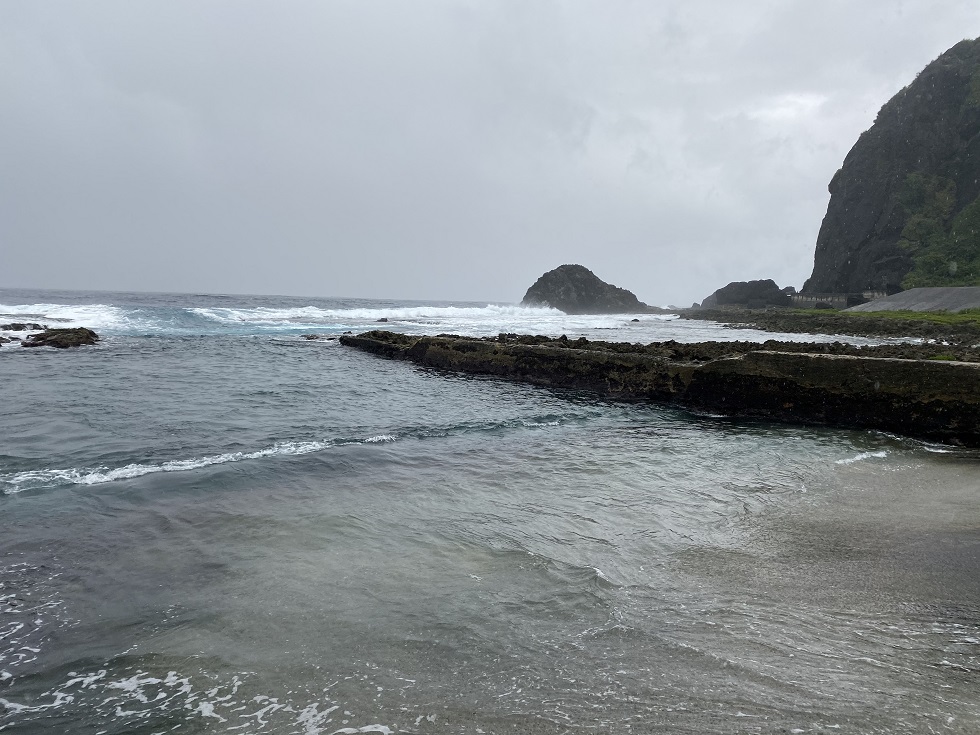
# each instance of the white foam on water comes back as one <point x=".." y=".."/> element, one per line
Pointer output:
<point x="93" y="316"/>
<point x="486" y="320"/>
<point x="37" y="479"/>
<point x="881" y="454"/>
<point x="142" y="695"/>
<point x="313" y="314"/>
<point x="475" y="321"/>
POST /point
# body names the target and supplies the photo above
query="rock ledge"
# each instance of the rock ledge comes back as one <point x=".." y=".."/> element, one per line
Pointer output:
<point x="934" y="399"/>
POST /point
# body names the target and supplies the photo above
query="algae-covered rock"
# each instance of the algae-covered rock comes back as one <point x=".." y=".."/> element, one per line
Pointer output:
<point x="574" y="289"/>
<point x="62" y="338"/>
<point x="890" y="388"/>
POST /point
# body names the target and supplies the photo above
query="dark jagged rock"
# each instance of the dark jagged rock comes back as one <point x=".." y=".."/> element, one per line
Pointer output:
<point x="62" y="338"/>
<point x="905" y="206"/>
<point x="750" y="294"/>
<point x="574" y="289"/>
<point x="838" y="385"/>
<point x="22" y="327"/>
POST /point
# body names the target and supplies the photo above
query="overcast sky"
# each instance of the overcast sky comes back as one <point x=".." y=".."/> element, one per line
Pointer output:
<point x="437" y="149"/>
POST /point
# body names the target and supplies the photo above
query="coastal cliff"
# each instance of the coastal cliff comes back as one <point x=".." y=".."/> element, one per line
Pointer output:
<point x="904" y="208"/>
<point x="833" y="385"/>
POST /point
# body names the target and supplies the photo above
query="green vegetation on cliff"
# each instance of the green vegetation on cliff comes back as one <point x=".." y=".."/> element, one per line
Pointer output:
<point x="969" y="317"/>
<point x="945" y="250"/>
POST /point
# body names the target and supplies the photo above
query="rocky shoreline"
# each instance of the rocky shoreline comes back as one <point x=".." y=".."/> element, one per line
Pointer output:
<point x="922" y="391"/>
<point x="814" y="321"/>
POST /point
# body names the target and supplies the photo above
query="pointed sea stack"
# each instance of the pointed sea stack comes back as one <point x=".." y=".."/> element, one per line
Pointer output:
<point x="574" y="289"/>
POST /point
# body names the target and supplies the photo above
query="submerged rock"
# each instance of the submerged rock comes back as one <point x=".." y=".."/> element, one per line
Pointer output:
<point x="574" y="289"/>
<point x="62" y="338"/>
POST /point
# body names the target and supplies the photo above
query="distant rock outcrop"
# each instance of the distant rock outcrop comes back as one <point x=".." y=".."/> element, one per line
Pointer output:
<point x="750" y="294"/>
<point x="575" y="289"/>
<point x="905" y="206"/>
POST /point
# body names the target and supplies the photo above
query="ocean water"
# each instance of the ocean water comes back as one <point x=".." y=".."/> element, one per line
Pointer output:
<point x="209" y="524"/>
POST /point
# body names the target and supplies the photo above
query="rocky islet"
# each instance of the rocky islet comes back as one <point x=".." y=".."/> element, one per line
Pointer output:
<point x="574" y="289"/>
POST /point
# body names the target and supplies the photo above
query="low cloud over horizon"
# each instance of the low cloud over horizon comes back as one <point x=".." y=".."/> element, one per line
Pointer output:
<point x="438" y="149"/>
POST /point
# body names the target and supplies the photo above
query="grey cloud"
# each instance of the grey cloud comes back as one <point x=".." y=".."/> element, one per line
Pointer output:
<point x="436" y="149"/>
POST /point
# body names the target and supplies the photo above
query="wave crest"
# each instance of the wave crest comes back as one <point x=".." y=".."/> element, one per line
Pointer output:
<point x="48" y="478"/>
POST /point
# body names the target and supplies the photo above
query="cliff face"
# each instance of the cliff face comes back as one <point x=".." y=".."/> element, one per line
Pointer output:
<point x="904" y="208"/>
<point x="575" y="289"/>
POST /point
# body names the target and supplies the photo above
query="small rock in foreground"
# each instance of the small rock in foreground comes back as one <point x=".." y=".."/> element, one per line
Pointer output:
<point x="62" y="338"/>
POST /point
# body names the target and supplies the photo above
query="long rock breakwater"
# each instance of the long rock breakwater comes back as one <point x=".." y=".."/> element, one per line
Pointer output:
<point x="900" y="389"/>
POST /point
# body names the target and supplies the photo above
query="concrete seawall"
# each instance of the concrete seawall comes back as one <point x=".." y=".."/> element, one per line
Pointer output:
<point x="938" y="400"/>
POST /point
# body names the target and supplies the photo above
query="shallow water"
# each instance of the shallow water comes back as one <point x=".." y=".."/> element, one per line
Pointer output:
<point x="218" y="526"/>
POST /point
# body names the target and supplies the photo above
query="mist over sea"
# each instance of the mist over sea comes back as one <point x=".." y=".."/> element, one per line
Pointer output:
<point x="211" y="524"/>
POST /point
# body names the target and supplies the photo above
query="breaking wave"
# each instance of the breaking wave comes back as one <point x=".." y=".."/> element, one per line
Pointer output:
<point x="41" y="479"/>
<point x="881" y="454"/>
<point x="485" y="320"/>
<point x="93" y="316"/>
<point x="47" y="478"/>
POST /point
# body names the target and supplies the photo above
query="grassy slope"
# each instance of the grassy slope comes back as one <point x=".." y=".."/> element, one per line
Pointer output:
<point x="967" y="317"/>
